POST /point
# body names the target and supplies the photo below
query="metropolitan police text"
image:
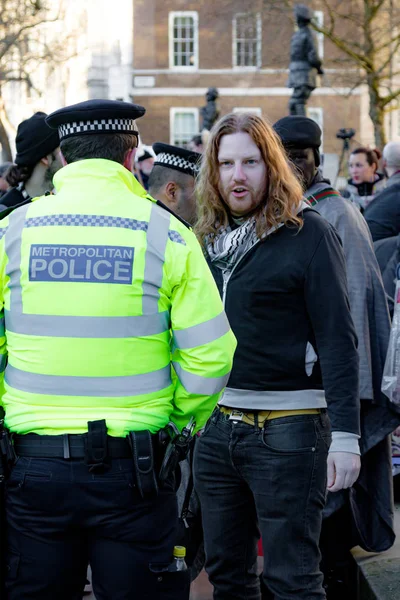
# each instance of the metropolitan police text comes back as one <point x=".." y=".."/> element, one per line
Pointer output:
<point x="72" y="263"/>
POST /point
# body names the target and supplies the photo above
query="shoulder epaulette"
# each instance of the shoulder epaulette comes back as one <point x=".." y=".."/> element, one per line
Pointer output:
<point x="165" y="207"/>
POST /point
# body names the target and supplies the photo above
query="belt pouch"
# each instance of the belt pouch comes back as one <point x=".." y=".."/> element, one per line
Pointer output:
<point x="96" y="447"/>
<point x="143" y="463"/>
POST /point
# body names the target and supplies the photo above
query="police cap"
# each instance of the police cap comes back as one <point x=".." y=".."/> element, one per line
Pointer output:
<point x="96" y="116"/>
<point x="177" y="158"/>
<point x="298" y="132"/>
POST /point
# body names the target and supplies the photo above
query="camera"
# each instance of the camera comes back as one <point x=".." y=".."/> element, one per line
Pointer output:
<point x="345" y="134"/>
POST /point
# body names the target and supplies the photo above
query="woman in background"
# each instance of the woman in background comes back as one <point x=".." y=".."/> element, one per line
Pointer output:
<point x="365" y="180"/>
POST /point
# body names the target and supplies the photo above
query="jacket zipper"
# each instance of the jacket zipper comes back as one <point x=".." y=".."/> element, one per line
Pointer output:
<point x="227" y="275"/>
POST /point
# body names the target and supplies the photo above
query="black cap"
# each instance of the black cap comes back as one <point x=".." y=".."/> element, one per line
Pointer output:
<point x="298" y="132"/>
<point x="35" y="140"/>
<point x="96" y="116"/>
<point x="177" y="158"/>
<point x="146" y="154"/>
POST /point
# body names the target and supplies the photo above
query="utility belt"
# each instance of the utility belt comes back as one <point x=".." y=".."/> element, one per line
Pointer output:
<point x="7" y="454"/>
<point x="259" y="417"/>
<point x="155" y="456"/>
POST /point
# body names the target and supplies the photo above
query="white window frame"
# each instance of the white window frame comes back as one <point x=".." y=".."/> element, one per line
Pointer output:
<point x="173" y="111"/>
<point x="255" y="110"/>
<point x="259" y="42"/>
<point x="171" y="18"/>
<point x="319" y="20"/>
<point x="316" y="113"/>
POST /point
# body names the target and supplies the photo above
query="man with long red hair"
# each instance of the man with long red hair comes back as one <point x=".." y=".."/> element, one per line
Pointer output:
<point x="267" y="455"/>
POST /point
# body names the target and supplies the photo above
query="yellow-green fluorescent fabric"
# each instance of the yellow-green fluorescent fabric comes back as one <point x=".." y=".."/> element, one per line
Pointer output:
<point x="109" y="311"/>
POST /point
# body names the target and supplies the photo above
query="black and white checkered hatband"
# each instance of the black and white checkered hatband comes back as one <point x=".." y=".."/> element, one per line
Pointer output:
<point x="98" y="126"/>
<point x="177" y="162"/>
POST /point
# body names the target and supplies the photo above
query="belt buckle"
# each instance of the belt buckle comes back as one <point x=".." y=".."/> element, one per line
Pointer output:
<point x="236" y="415"/>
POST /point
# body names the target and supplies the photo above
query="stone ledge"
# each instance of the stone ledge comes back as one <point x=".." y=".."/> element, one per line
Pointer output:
<point x="379" y="574"/>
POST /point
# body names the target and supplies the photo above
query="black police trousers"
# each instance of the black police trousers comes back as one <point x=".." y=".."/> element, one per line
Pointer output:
<point x="60" y="517"/>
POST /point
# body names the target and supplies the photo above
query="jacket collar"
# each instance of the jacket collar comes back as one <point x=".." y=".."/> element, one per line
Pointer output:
<point x="99" y="170"/>
<point x="395" y="178"/>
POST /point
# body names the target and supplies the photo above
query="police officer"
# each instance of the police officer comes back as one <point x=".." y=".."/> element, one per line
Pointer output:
<point x="112" y="327"/>
<point x="37" y="160"/>
<point x="173" y="177"/>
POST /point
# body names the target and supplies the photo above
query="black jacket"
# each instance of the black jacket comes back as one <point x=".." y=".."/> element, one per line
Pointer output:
<point x="12" y="200"/>
<point x="285" y="292"/>
<point x="383" y="214"/>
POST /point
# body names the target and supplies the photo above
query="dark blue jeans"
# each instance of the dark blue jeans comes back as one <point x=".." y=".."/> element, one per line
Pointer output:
<point x="60" y="517"/>
<point x="273" y="480"/>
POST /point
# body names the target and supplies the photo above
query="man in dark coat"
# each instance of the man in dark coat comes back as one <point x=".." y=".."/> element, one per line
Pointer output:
<point x="383" y="213"/>
<point x="365" y="515"/>
<point x="304" y="62"/>
<point x="36" y="162"/>
<point x="387" y="252"/>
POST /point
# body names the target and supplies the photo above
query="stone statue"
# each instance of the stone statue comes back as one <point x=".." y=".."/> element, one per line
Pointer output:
<point x="304" y="62"/>
<point x="209" y="113"/>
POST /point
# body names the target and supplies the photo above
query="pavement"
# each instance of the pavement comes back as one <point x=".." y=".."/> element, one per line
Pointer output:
<point x="379" y="574"/>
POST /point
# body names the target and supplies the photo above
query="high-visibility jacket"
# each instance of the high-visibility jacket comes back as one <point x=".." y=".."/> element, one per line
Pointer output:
<point x="109" y="311"/>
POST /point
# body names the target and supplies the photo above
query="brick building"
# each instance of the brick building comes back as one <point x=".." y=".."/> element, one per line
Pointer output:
<point x="181" y="48"/>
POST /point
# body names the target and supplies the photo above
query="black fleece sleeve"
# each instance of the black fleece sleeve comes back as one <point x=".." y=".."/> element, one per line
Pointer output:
<point x="329" y="312"/>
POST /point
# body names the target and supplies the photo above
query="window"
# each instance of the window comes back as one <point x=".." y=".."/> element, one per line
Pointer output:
<point x="183" y="40"/>
<point x="319" y="20"/>
<point x="247" y="40"/>
<point x="184" y="124"/>
<point x="317" y="114"/>
<point x="252" y="109"/>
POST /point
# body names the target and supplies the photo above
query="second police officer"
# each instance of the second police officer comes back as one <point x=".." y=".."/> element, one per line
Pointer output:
<point x="113" y="326"/>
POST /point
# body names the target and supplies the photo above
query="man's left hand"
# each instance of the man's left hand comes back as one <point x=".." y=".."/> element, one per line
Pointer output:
<point x="343" y="470"/>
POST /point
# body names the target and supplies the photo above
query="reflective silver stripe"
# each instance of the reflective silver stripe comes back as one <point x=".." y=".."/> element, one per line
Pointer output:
<point x="87" y="327"/>
<point x="273" y="400"/>
<point x="3" y="231"/>
<point x="157" y="237"/>
<point x="71" y="220"/>
<point x="150" y="323"/>
<point x="3" y="362"/>
<point x="204" y="333"/>
<point x="195" y="384"/>
<point x="61" y="385"/>
<point x="13" y="243"/>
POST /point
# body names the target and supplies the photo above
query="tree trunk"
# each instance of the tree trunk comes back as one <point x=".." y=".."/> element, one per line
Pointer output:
<point x="6" y="155"/>
<point x="376" y="112"/>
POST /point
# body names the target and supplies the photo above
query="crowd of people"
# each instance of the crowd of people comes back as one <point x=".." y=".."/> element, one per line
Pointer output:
<point x="269" y="333"/>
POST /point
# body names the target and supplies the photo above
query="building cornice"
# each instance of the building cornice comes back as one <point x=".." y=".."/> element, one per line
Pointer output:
<point x="241" y="91"/>
<point x="231" y="71"/>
